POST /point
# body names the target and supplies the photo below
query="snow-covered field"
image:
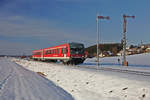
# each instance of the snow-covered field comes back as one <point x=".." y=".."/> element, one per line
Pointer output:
<point x="139" y="60"/>
<point x="18" y="83"/>
<point x="86" y="84"/>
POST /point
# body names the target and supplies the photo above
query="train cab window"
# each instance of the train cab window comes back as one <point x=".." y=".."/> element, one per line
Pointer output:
<point x="61" y="50"/>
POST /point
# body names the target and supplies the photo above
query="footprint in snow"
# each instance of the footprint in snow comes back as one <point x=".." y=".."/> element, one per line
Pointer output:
<point x="87" y="82"/>
<point x="125" y="88"/>
<point x="143" y="95"/>
<point x="57" y="80"/>
<point x="111" y="91"/>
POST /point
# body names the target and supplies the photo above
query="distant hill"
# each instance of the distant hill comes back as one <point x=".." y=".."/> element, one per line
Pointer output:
<point x="113" y="47"/>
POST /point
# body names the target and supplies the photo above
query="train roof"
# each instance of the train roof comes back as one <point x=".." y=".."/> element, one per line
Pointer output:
<point x="75" y="43"/>
<point x="57" y="46"/>
<point x="72" y="43"/>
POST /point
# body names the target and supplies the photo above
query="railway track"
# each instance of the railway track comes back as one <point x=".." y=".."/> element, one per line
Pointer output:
<point x="129" y="71"/>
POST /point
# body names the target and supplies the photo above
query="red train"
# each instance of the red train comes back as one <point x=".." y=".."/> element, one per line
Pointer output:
<point x="69" y="53"/>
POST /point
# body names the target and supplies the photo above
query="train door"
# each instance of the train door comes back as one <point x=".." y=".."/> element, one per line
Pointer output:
<point x="42" y="54"/>
<point x="64" y="52"/>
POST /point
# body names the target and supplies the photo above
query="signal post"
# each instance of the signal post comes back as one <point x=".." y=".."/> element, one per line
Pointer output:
<point x="125" y="63"/>
<point x="97" y="20"/>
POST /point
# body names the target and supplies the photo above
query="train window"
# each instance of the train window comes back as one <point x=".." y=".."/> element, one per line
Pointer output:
<point x="52" y="51"/>
<point x="61" y="50"/>
<point x="57" y="51"/>
<point x="46" y="52"/>
<point x="38" y="53"/>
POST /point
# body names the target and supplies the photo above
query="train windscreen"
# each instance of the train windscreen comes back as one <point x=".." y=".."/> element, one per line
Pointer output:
<point x="76" y="48"/>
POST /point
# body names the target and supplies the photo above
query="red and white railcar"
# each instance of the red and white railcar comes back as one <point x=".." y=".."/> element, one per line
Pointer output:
<point x="69" y="53"/>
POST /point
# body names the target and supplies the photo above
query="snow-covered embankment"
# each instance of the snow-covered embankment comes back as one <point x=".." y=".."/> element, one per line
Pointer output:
<point x="92" y="85"/>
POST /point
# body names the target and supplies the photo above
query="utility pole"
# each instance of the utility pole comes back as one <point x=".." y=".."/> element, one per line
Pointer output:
<point x="97" y="20"/>
<point x="125" y="63"/>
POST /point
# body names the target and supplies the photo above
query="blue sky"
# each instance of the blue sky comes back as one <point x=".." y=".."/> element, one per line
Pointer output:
<point x="33" y="24"/>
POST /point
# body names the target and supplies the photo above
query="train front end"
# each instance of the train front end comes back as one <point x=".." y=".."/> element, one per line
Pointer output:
<point x="77" y="55"/>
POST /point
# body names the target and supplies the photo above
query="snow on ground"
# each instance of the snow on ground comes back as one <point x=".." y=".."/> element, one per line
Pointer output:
<point x="18" y="83"/>
<point x="85" y="84"/>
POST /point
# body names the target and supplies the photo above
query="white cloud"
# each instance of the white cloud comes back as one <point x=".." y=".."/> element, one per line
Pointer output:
<point x="19" y="26"/>
<point x="45" y="31"/>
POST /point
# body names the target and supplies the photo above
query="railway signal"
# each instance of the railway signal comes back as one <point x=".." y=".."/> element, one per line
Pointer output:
<point x="97" y="20"/>
<point x="125" y="63"/>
